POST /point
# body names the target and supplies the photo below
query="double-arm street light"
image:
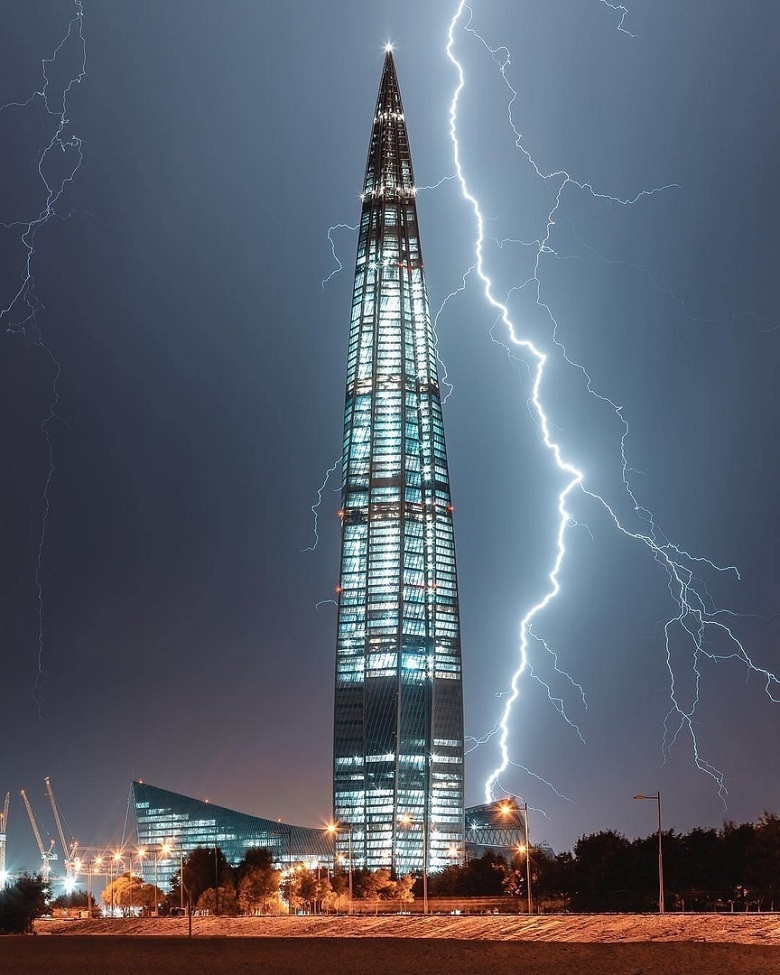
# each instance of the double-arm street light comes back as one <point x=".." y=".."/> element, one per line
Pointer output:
<point x="657" y="798"/>
<point x="333" y="829"/>
<point x="505" y="809"/>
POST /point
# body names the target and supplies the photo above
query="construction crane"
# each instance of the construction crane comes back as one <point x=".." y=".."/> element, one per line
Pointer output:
<point x="3" y="832"/>
<point x="46" y="855"/>
<point x="69" y="849"/>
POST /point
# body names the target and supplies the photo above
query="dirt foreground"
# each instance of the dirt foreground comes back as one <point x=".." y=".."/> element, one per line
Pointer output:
<point x="439" y="945"/>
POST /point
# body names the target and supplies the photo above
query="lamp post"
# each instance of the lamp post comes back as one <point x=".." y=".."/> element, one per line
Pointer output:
<point x="165" y="849"/>
<point x="510" y="806"/>
<point x="288" y="833"/>
<point x="333" y="829"/>
<point x="170" y="845"/>
<point x="140" y="854"/>
<point x="116" y="858"/>
<point x="407" y="821"/>
<point x="657" y="798"/>
<point x="97" y="862"/>
<point x="527" y="857"/>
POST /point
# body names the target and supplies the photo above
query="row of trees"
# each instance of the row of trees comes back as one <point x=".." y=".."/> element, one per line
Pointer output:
<point x="255" y="886"/>
<point x="735" y="867"/>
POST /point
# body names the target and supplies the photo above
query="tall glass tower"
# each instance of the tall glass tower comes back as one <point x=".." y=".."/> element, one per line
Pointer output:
<point x="398" y="722"/>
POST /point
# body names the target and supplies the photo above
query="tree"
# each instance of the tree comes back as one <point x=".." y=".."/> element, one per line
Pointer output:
<point x="258" y="889"/>
<point x="76" y="899"/>
<point x="602" y="871"/>
<point x="21" y="903"/>
<point x="403" y="889"/>
<point x="204" y="868"/>
<point x="555" y="879"/>
<point x="375" y="886"/>
<point x="221" y="900"/>
<point x="339" y="899"/>
<point x="129" y="892"/>
<point x="763" y="856"/>
<point x="255" y="857"/>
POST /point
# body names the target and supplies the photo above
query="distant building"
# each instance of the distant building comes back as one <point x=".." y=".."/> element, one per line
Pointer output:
<point x="164" y="817"/>
<point x="398" y="717"/>
<point x="495" y="827"/>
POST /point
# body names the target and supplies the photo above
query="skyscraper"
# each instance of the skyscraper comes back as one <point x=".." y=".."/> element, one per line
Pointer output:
<point x="398" y="722"/>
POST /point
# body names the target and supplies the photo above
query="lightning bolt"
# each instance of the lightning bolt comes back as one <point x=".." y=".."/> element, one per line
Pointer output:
<point x="694" y="622"/>
<point x="332" y="242"/>
<point x="444" y="375"/>
<point x="20" y="313"/>
<point x="315" y="508"/>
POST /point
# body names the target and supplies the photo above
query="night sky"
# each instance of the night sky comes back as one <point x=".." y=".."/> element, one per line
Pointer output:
<point x="202" y="384"/>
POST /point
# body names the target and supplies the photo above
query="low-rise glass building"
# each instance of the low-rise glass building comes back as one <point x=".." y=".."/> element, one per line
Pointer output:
<point x="170" y="821"/>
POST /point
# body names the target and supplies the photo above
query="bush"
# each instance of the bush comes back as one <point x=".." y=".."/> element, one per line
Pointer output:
<point x="21" y="903"/>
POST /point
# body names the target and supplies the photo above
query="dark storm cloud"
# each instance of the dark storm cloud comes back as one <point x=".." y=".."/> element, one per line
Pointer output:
<point x="202" y="386"/>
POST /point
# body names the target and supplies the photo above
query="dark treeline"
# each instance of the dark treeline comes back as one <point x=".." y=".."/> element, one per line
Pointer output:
<point x="732" y="868"/>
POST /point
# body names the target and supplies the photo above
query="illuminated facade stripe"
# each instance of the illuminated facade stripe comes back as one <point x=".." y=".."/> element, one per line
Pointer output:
<point x="398" y="723"/>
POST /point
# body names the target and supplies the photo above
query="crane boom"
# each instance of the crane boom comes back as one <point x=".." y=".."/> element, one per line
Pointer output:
<point x="46" y="855"/>
<point x="33" y="823"/>
<point x="67" y="850"/>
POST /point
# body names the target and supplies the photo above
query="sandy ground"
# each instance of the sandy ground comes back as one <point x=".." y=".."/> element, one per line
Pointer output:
<point x="756" y="929"/>
<point x="675" y="944"/>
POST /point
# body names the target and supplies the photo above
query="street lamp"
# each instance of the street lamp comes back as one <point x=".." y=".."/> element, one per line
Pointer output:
<point x="286" y="831"/>
<point x="505" y="809"/>
<point x="140" y="854"/>
<point x="657" y="798"/>
<point x="407" y="821"/>
<point x="333" y="829"/>
<point x="116" y="858"/>
<point x="165" y="849"/>
<point x="97" y="862"/>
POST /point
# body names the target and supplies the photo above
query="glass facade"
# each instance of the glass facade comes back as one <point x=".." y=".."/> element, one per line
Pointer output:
<point x="164" y="817"/>
<point x="495" y="827"/>
<point x="398" y="721"/>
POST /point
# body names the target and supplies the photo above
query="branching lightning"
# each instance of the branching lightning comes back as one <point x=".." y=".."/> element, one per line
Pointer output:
<point x="695" y="621"/>
<point x="20" y="314"/>
<point x="332" y="242"/>
<point x="315" y="508"/>
<point x="444" y="375"/>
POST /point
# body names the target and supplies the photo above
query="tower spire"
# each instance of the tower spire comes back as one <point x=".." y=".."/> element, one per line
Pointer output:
<point x="398" y="719"/>
<point x="389" y="165"/>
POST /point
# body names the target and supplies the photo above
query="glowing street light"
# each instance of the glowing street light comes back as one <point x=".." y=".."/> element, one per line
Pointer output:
<point x="115" y="859"/>
<point x="165" y="849"/>
<point x="505" y="808"/>
<point x="657" y="798"/>
<point x="333" y="829"/>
